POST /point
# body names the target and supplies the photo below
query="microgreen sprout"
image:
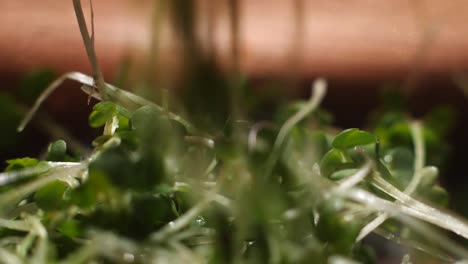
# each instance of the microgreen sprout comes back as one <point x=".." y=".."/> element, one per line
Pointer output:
<point x="158" y="189"/>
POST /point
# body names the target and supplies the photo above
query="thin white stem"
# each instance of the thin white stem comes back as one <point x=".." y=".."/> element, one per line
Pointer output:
<point x="126" y="98"/>
<point x="399" y="211"/>
<point x="12" y="176"/>
<point x="105" y="90"/>
<point x="115" y="93"/>
<point x="419" y="161"/>
<point x="19" y="225"/>
<point x="354" y="179"/>
<point x="64" y="164"/>
<point x="104" y="244"/>
<point x="9" y="199"/>
<point x="253" y="132"/>
<point x="207" y="142"/>
<point x="9" y="258"/>
<point x="111" y="126"/>
<point x="186" y="254"/>
<point x="319" y="89"/>
<point x="36" y="226"/>
<point x="372" y="225"/>
<point x="40" y="253"/>
<point x="23" y="247"/>
<point x="424" y="247"/>
<point x="423" y="211"/>
<point x="82" y="255"/>
<point x="50" y="126"/>
<point x="89" y="45"/>
<point x="419" y="156"/>
<point x="180" y="222"/>
<point x="76" y="76"/>
<point x="16" y="175"/>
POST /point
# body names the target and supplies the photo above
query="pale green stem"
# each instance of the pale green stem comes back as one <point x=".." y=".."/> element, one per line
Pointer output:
<point x="76" y="76"/>
<point x="419" y="156"/>
<point x="423" y="211"/>
<point x="187" y="255"/>
<point x="16" y="175"/>
<point x="354" y="179"/>
<point x="9" y="258"/>
<point x="19" y="225"/>
<point x="180" y="222"/>
<point x="115" y="93"/>
<point x="82" y="255"/>
<point x="23" y="247"/>
<point x="419" y="161"/>
<point x="319" y="89"/>
<point x="110" y="126"/>
<point x="9" y="199"/>
<point x="207" y="142"/>
<point x="40" y="253"/>
<point x="428" y="249"/>
<point x="36" y="226"/>
<point x="89" y="44"/>
<point x="400" y="210"/>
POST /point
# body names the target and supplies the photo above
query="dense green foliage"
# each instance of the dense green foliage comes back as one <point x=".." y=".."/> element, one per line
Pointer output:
<point x="153" y="191"/>
<point x="215" y="184"/>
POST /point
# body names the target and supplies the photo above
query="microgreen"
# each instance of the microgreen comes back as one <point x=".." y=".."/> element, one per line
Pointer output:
<point x="161" y="188"/>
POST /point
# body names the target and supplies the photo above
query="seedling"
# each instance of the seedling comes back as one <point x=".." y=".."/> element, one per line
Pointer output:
<point x="158" y="191"/>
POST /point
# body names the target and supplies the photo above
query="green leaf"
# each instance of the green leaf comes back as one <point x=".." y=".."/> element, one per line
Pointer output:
<point x="142" y="173"/>
<point x="57" y="151"/>
<point x="102" y="112"/>
<point x="335" y="160"/>
<point x="351" y="138"/>
<point x="335" y="228"/>
<point x="399" y="163"/>
<point x="100" y="140"/>
<point x="341" y="174"/>
<point x="400" y="134"/>
<point x="146" y="214"/>
<point x="87" y="195"/>
<point x="154" y="129"/>
<point x="21" y="163"/>
<point x="70" y="228"/>
<point x="145" y="116"/>
<point x="52" y="196"/>
<point x="123" y="112"/>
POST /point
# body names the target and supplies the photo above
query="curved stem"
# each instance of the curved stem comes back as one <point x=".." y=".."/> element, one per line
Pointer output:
<point x="430" y="250"/>
<point x="76" y="76"/>
<point x="9" y="258"/>
<point x="419" y="156"/>
<point x="319" y="89"/>
<point x="401" y="212"/>
<point x="89" y="45"/>
<point x="181" y="222"/>
<point x="419" y="161"/>
<point x="422" y="211"/>
<point x="10" y="198"/>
